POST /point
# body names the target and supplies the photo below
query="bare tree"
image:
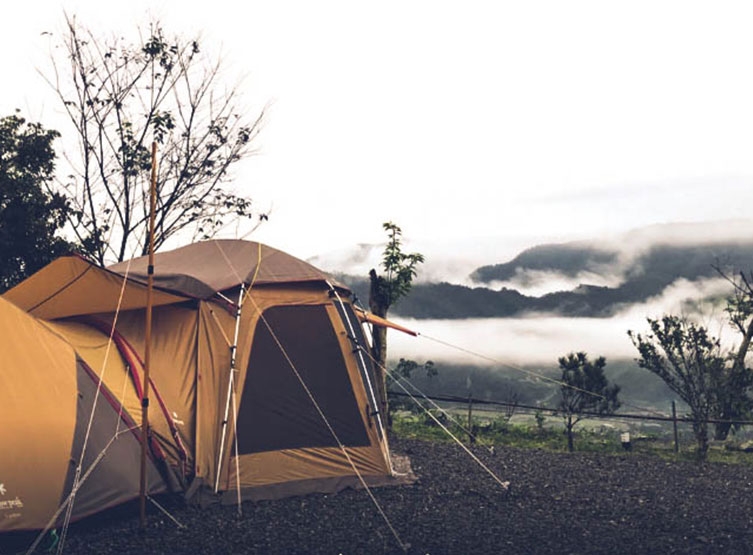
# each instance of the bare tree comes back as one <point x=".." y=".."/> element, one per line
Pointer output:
<point x="512" y="398"/>
<point x="120" y="97"/>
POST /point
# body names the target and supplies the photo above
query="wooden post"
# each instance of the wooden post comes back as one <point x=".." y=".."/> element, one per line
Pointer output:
<point x="674" y="423"/>
<point x="471" y="437"/>
<point x="147" y="339"/>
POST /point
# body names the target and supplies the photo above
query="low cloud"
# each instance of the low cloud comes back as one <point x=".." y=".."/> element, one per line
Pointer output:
<point x="541" y="339"/>
<point x="536" y="283"/>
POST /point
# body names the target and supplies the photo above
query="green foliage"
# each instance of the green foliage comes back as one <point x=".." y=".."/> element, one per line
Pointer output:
<point x="120" y="96"/>
<point x="584" y="388"/>
<point x="399" y="270"/>
<point x="400" y="267"/>
<point x="385" y="290"/>
<point x="692" y="364"/>
<point x="497" y="432"/>
<point x="540" y="420"/>
<point x="405" y="369"/>
<point x="521" y="436"/>
<point x="30" y="216"/>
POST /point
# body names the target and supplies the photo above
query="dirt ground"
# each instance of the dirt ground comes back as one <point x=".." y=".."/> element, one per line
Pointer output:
<point x="556" y="503"/>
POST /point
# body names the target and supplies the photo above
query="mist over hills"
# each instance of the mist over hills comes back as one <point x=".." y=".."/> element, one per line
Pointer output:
<point x="595" y="278"/>
<point x="526" y="308"/>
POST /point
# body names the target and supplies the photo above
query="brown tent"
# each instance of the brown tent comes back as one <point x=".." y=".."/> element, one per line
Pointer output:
<point x="246" y="338"/>
<point x="66" y="436"/>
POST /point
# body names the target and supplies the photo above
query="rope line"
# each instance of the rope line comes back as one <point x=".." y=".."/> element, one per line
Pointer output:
<point x="455" y="419"/>
<point x="69" y="499"/>
<point x="532" y="373"/>
<point x="100" y="378"/>
<point x="231" y="381"/>
<point x="219" y="326"/>
<point x="237" y="455"/>
<point x="256" y="271"/>
<point x="229" y="262"/>
<point x="504" y="485"/>
<point x="79" y="478"/>
<point x="166" y="513"/>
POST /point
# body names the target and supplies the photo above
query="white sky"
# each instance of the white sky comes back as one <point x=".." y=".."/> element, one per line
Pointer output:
<point x="460" y="120"/>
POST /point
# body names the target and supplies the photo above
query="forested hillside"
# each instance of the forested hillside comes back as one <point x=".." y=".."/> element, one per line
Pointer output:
<point x="639" y="277"/>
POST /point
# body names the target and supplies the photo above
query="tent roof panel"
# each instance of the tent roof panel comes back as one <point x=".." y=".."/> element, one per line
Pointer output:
<point x="72" y="286"/>
<point x="202" y="269"/>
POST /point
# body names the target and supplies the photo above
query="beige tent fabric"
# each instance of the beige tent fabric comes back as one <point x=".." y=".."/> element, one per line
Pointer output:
<point x="173" y="369"/>
<point x="71" y="286"/>
<point x="38" y="413"/>
<point x="124" y="380"/>
<point x="216" y="330"/>
<point x="103" y="359"/>
<point x="204" y="268"/>
<point x="287" y="470"/>
<point x="49" y="394"/>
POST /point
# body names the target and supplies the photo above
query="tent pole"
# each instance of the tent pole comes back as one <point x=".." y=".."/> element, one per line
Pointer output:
<point x="362" y="361"/>
<point x="148" y="338"/>
<point x="230" y="386"/>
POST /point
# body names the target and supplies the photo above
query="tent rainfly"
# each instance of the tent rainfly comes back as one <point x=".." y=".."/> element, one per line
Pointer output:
<point x="259" y="368"/>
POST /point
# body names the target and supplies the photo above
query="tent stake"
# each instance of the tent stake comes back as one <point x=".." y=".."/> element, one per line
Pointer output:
<point x="148" y="339"/>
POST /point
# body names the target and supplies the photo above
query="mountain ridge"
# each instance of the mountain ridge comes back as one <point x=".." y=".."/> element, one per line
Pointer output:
<point x="607" y="277"/>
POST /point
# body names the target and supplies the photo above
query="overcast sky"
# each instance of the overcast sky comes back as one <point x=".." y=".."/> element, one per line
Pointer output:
<point x="460" y="120"/>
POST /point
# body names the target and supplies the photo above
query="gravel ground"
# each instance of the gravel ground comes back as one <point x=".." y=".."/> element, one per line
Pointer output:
<point x="557" y="503"/>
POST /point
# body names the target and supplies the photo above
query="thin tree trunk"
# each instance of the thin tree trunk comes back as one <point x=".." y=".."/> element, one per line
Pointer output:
<point x="721" y="431"/>
<point x="702" y="437"/>
<point x="379" y="352"/>
<point x="379" y="308"/>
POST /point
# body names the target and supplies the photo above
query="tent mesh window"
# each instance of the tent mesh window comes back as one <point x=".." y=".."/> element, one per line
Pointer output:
<point x="275" y="410"/>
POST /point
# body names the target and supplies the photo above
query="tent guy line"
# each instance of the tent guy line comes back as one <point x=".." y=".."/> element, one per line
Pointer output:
<point x="505" y="485"/>
<point x="68" y="501"/>
<point x="532" y="374"/>
<point x="100" y="375"/>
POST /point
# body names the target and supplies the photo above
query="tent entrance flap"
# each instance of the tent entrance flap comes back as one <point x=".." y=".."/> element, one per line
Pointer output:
<point x="276" y="413"/>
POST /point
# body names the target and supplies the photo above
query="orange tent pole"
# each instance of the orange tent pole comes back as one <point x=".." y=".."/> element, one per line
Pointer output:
<point x="364" y="316"/>
<point x="148" y="338"/>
